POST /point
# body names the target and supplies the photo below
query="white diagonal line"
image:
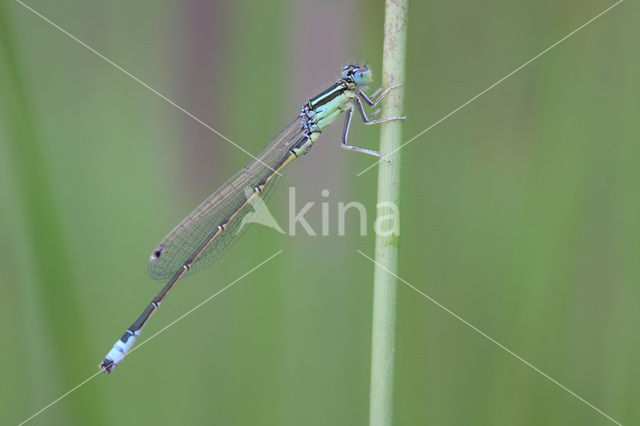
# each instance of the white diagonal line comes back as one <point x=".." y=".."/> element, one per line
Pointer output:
<point x="495" y="84"/>
<point x="190" y="311"/>
<point x="88" y="379"/>
<point x="128" y="74"/>
<point x="494" y="341"/>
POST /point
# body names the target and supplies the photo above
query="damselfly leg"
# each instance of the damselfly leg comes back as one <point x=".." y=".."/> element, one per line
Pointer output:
<point x="367" y="99"/>
<point x="345" y="135"/>
<point x="367" y="119"/>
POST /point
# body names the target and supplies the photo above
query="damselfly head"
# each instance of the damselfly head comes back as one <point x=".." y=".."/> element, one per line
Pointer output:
<point x="360" y="75"/>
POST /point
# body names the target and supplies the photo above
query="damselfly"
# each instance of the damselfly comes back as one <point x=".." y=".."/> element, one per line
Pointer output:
<point x="207" y="232"/>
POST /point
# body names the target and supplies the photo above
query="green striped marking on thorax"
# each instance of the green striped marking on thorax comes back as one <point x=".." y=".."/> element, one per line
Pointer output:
<point x="328" y="105"/>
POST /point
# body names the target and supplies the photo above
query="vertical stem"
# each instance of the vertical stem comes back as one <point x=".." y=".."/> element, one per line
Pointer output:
<point x="386" y="254"/>
<point x="67" y="347"/>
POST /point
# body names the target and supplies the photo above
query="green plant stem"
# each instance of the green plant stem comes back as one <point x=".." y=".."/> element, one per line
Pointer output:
<point x="67" y="347"/>
<point x="386" y="254"/>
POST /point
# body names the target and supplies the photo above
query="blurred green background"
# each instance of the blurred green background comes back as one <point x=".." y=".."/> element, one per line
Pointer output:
<point x="521" y="213"/>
